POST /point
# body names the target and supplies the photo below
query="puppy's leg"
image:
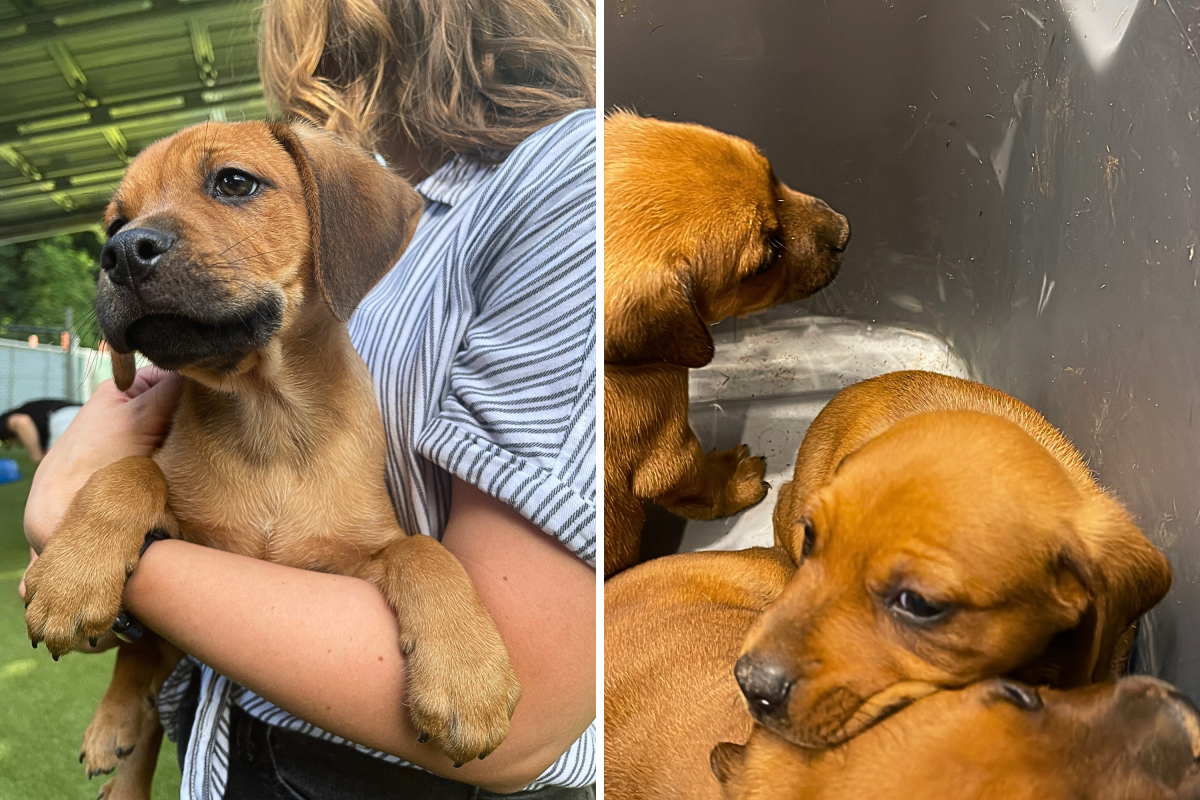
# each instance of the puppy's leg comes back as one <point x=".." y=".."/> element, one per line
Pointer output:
<point x="710" y="485"/>
<point x="462" y="689"/>
<point x="623" y="520"/>
<point x="125" y="730"/>
<point x="73" y="592"/>
<point x="136" y="775"/>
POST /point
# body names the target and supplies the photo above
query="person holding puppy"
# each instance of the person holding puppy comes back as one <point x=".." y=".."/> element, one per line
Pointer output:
<point x="481" y="343"/>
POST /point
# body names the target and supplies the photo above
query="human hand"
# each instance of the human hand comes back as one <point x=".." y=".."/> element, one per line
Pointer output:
<point x="111" y="425"/>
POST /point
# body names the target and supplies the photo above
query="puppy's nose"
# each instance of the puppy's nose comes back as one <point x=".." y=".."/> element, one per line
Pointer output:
<point x="766" y="687"/>
<point x="834" y="229"/>
<point x="841" y="236"/>
<point x="134" y="254"/>
<point x="1163" y="727"/>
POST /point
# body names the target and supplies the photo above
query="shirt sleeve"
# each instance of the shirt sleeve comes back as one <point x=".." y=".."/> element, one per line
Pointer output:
<point x="519" y="417"/>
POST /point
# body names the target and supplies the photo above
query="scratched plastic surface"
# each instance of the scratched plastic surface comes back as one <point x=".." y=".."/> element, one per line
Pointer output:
<point x="1018" y="175"/>
<point x="770" y="379"/>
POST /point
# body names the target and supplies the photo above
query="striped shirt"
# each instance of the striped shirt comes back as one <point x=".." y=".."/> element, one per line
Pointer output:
<point x="482" y="344"/>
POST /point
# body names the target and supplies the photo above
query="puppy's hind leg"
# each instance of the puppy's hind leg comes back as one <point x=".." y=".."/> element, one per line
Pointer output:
<point x="462" y="689"/>
<point x="125" y="731"/>
<point x="136" y="775"/>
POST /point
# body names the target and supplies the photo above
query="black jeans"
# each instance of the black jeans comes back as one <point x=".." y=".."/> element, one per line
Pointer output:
<point x="269" y="763"/>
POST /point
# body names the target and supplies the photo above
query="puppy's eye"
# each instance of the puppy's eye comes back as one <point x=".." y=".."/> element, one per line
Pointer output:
<point x="1023" y="697"/>
<point x="232" y="183"/>
<point x="114" y="227"/>
<point x="810" y="539"/>
<point x="913" y="605"/>
<point x="775" y="248"/>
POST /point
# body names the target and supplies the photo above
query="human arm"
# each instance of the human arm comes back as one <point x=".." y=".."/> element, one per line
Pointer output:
<point x="324" y="647"/>
<point x="24" y="428"/>
<point x="294" y="636"/>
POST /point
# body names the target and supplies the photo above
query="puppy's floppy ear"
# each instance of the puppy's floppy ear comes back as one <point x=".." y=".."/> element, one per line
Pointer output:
<point x="1124" y="576"/>
<point x="785" y="517"/>
<point x="124" y="369"/>
<point x="360" y="215"/>
<point x="726" y="760"/>
<point x="651" y="318"/>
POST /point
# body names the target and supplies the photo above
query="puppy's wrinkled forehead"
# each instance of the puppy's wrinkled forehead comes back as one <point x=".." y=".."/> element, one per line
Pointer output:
<point x="175" y="176"/>
<point x="955" y="480"/>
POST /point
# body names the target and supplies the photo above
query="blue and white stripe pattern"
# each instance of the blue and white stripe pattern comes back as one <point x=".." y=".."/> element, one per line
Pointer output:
<point x="482" y="344"/>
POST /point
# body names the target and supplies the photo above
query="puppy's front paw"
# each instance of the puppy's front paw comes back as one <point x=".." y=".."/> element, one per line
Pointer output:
<point x="70" y="598"/>
<point x="746" y="486"/>
<point x="462" y="690"/>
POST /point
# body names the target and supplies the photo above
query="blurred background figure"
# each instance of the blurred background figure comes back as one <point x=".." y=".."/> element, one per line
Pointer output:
<point x="36" y="425"/>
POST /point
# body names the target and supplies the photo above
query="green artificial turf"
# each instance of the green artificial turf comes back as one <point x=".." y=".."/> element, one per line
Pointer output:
<point x="45" y="706"/>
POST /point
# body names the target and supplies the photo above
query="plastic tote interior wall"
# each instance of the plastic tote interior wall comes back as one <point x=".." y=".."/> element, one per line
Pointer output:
<point x="1020" y="178"/>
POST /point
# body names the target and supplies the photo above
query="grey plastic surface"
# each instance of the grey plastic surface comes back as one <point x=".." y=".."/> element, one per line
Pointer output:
<point x="1020" y="179"/>
<point x="770" y="379"/>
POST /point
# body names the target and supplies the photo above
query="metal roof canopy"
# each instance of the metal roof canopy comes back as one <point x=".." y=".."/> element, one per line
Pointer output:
<point x="85" y="85"/>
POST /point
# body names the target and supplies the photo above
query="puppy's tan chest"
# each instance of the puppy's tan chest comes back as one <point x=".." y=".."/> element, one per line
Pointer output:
<point x="316" y="518"/>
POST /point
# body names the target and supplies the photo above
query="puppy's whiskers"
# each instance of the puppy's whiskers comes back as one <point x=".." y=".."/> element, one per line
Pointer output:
<point x="253" y="255"/>
<point x="235" y="244"/>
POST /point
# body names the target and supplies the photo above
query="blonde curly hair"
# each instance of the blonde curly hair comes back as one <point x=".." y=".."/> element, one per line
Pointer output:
<point x="451" y="76"/>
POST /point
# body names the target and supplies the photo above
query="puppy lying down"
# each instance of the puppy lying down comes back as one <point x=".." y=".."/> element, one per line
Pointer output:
<point x="943" y="532"/>
<point x="994" y="740"/>
<point x="936" y="533"/>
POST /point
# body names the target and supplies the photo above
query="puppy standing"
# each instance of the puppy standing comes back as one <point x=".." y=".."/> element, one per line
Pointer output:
<point x="696" y="228"/>
<point x="236" y="252"/>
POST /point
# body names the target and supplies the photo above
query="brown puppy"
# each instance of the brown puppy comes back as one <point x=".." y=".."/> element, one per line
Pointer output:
<point x="236" y="252"/>
<point x="945" y="533"/>
<point x="673" y="628"/>
<point x="995" y="740"/>
<point x="696" y="228"/>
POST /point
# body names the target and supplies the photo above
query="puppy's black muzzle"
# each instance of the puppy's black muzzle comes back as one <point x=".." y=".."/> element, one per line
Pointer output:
<point x="179" y="306"/>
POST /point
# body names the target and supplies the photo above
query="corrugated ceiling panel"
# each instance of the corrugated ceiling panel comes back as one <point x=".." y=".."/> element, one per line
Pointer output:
<point x="115" y="77"/>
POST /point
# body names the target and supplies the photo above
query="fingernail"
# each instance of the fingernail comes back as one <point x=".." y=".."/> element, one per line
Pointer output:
<point x="482" y="756"/>
<point x="54" y="656"/>
<point x="80" y="756"/>
<point x="92" y="641"/>
<point x="34" y="645"/>
<point x="422" y="738"/>
<point x="456" y="766"/>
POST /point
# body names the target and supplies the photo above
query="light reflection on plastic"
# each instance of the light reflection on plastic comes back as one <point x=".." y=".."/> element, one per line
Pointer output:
<point x="1099" y="26"/>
